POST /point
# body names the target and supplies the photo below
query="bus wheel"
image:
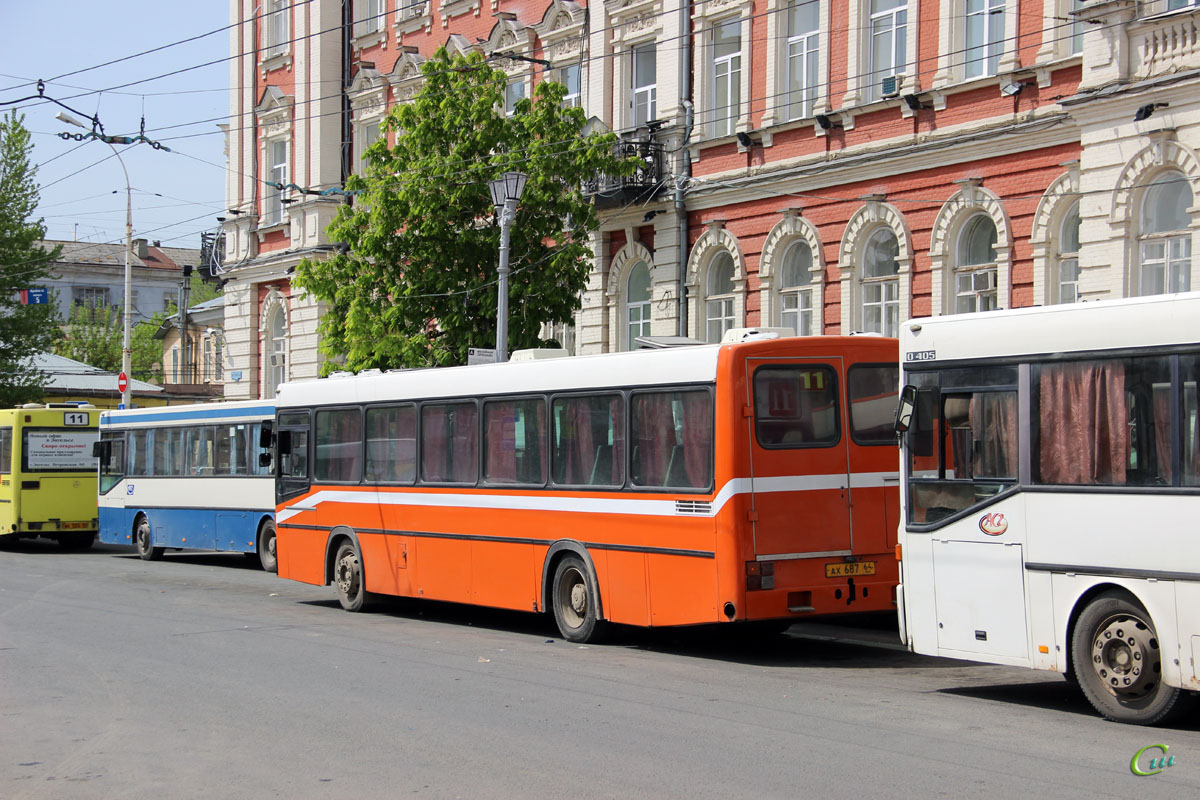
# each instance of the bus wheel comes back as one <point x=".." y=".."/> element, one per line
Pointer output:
<point x="574" y="602"/>
<point x="1118" y="664"/>
<point x="348" y="577"/>
<point x="143" y="542"/>
<point x="266" y="547"/>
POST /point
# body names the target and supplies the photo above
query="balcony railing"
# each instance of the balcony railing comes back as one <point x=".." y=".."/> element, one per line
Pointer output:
<point x="1165" y="44"/>
<point x="646" y="181"/>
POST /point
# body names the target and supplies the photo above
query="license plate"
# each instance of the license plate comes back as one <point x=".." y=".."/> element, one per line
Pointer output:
<point x="849" y="569"/>
<point x="72" y="525"/>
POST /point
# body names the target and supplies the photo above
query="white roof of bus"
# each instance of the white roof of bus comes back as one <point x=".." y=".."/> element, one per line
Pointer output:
<point x="1157" y="321"/>
<point x="190" y="414"/>
<point x="673" y="365"/>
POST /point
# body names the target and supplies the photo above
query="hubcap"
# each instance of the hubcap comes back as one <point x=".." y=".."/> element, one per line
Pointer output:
<point x="573" y="599"/>
<point x="347" y="575"/>
<point x="1125" y="656"/>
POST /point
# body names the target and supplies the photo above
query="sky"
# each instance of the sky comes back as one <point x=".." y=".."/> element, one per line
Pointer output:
<point x="177" y="195"/>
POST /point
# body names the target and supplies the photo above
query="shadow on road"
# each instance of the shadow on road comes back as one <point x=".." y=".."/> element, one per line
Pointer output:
<point x="1054" y="695"/>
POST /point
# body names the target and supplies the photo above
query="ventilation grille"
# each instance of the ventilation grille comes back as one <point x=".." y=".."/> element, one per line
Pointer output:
<point x="693" y="507"/>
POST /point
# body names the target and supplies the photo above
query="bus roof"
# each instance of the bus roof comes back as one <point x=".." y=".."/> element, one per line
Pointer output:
<point x="668" y="366"/>
<point x="1155" y="321"/>
<point x="191" y="414"/>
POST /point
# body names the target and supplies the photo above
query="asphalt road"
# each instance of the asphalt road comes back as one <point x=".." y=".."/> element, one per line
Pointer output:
<point x="201" y="676"/>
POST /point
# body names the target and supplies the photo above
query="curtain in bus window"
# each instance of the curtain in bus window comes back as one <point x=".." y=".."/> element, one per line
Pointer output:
<point x="392" y="444"/>
<point x="589" y="444"/>
<point x="1162" y="432"/>
<point x="654" y="439"/>
<point x="339" y="443"/>
<point x="1083" y="433"/>
<point x="513" y="441"/>
<point x="697" y="438"/>
<point x="1189" y="424"/>
<point x="994" y="435"/>
<point x="449" y="443"/>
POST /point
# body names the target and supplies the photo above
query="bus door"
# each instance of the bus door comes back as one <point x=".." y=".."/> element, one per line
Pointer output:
<point x="800" y="503"/>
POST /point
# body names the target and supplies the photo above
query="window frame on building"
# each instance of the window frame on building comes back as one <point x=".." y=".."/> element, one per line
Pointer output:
<point x="885" y="285"/>
<point x="643" y="97"/>
<point x="803" y="49"/>
<point x="725" y="70"/>
<point x="976" y="279"/>
<point x="643" y="306"/>
<point x="874" y="28"/>
<point x="1174" y="243"/>
<point x="983" y="35"/>
<point x="720" y="307"/>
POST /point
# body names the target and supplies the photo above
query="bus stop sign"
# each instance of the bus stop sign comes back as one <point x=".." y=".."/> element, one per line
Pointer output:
<point x="122" y="382"/>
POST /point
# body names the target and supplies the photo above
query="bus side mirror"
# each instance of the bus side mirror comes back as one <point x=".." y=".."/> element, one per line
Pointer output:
<point x="264" y="459"/>
<point x="102" y="449"/>
<point x="285" y="442"/>
<point x="905" y="409"/>
<point x="264" y="436"/>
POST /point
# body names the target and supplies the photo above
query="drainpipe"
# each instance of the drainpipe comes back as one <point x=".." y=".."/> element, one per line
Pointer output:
<point x="347" y="55"/>
<point x="681" y="180"/>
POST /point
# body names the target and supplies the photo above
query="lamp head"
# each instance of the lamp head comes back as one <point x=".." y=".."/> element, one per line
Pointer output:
<point x="1011" y="88"/>
<point x="70" y="119"/>
<point x="744" y="139"/>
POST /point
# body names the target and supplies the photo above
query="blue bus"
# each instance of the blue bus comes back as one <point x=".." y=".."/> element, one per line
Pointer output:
<point x="191" y="477"/>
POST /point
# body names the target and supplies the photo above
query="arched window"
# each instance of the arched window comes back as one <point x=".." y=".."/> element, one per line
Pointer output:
<point x="880" y="284"/>
<point x="1066" y="287"/>
<point x="719" y="296"/>
<point x="975" y="266"/>
<point x="637" y="304"/>
<point x="1165" y="241"/>
<point x="276" y="346"/>
<point x="796" y="291"/>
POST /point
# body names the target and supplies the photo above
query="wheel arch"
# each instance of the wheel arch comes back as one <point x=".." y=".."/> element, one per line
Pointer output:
<point x="555" y="554"/>
<point x="339" y="533"/>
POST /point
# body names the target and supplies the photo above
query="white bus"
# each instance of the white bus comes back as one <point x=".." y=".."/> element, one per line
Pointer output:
<point x="1051" y="490"/>
<point x="188" y="477"/>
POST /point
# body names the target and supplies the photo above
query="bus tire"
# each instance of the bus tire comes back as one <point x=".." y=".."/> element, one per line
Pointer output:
<point x="573" y="598"/>
<point x="348" y="578"/>
<point x="142" y="541"/>
<point x="1118" y="664"/>
<point x="266" y="547"/>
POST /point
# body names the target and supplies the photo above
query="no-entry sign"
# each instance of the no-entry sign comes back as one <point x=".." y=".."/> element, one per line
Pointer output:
<point x="122" y="382"/>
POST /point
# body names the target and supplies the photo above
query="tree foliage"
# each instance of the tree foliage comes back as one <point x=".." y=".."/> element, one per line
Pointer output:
<point x="416" y="283"/>
<point x="93" y="336"/>
<point x="25" y="330"/>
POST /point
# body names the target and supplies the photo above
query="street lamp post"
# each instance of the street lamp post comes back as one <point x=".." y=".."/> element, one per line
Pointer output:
<point x="127" y="310"/>
<point x="506" y="191"/>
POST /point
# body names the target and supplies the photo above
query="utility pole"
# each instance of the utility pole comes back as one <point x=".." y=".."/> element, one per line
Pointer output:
<point x="185" y="289"/>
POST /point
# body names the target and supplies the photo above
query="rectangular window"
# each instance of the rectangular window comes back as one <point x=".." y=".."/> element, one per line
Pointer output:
<point x="645" y="83"/>
<point x="514" y="442"/>
<point x="881" y="307"/>
<point x="976" y="291"/>
<point x="249" y="438"/>
<point x="370" y="17"/>
<point x="229" y="450"/>
<point x="639" y="321"/>
<point x="92" y="297"/>
<point x="888" y="43"/>
<point x="277" y="170"/>
<point x="720" y="317"/>
<point x="672" y="436"/>
<point x="275" y="31"/>
<point x="984" y="37"/>
<point x="338" y="455"/>
<point x="139" y="452"/>
<point x="1075" y="29"/>
<point x="368" y="134"/>
<point x="1166" y="265"/>
<point x="450" y="443"/>
<point x="392" y="444"/>
<point x="168" y="452"/>
<point x="1068" y="280"/>
<point x="571" y="77"/>
<point x="588" y="440"/>
<point x="797" y="312"/>
<point x="1104" y="422"/>
<point x="5" y="451"/>
<point x="112" y="470"/>
<point x="726" y="76"/>
<point x="872" y="392"/>
<point x="796" y="406"/>
<point x="803" y="63"/>
<point x="293" y="449"/>
<point x="513" y="94"/>
<point x="1189" y="427"/>
<point x="199" y="445"/>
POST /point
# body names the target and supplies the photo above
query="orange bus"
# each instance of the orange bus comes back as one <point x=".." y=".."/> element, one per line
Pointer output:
<point x="726" y="483"/>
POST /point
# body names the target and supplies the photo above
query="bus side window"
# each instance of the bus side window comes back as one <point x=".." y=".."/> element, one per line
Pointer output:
<point x="1189" y="374"/>
<point x="112" y="469"/>
<point x="871" y="391"/>
<point x="5" y="451"/>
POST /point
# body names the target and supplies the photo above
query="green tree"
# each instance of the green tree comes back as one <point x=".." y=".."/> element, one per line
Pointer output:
<point x="416" y="285"/>
<point x="24" y="329"/>
<point x="93" y="336"/>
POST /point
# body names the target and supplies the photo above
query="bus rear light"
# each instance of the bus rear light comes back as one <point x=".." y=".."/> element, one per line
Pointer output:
<point x="760" y="575"/>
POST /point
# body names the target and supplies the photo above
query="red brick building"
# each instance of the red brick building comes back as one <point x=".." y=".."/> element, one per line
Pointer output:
<point x="828" y="166"/>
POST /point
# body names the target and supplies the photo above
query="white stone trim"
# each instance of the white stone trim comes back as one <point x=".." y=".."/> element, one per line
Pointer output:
<point x="790" y="229"/>
<point x="943" y="238"/>
<point x="616" y="291"/>
<point x="713" y="241"/>
<point x="872" y="215"/>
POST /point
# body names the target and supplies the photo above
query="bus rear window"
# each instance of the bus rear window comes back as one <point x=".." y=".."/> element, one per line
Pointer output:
<point x="873" y="391"/>
<point x="796" y="406"/>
